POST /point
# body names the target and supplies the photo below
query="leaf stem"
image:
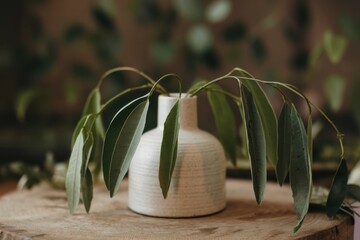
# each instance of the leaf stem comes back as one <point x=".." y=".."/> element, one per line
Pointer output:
<point x="105" y="105"/>
<point x="203" y="87"/>
<point x="162" y="78"/>
<point x="292" y="88"/>
<point x="130" y="69"/>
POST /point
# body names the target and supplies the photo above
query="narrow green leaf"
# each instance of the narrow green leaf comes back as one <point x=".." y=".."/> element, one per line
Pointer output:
<point x="196" y="85"/>
<point x="85" y="124"/>
<point x="23" y="100"/>
<point x="168" y="152"/>
<point x="337" y="192"/>
<point x="77" y="129"/>
<point x="310" y="137"/>
<point x="335" y="46"/>
<point x="218" y="10"/>
<point x="162" y="51"/>
<point x="256" y="143"/>
<point x="73" y="175"/>
<point x="121" y="141"/>
<point x="87" y="189"/>
<point x="300" y="168"/>
<point x="126" y="145"/>
<point x="87" y="148"/>
<point x="93" y="106"/>
<point x="189" y="9"/>
<point x="315" y="54"/>
<point x="225" y="122"/>
<point x="284" y="129"/>
<point x="200" y="38"/>
<point x="334" y="91"/>
<point x="112" y="134"/>
<point x="267" y="115"/>
<point x="86" y="177"/>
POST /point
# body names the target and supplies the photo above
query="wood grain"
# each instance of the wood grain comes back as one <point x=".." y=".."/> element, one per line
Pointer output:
<point x="42" y="214"/>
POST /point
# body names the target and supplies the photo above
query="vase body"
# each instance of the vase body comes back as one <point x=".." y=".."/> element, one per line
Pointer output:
<point x="198" y="183"/>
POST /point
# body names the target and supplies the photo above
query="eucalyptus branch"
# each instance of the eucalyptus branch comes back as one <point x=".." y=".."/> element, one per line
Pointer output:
<point x="130" y="69"/>
<point x="105" y="105"/>
<point x="202" y="88"/>
<point x="164" y="77"/>
<point x="292" y="88"/>
<point x="339" y="135"/>
<point x="285" y="97"/>
<point x="285" y="85"/>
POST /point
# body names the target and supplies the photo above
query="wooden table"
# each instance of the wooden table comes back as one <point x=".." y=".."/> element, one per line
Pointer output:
<point x="7" y="186"/>
<point x="42" y="214"/>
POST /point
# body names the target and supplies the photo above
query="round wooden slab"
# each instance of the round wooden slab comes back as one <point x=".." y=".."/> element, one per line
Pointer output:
<point x="42" y="214"/>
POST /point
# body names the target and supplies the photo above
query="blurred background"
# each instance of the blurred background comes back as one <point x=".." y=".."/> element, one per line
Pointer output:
<point x="53" y="52"/>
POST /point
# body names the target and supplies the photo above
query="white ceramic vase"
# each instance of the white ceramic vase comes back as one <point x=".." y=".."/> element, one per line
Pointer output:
<point x="198" y="183"/>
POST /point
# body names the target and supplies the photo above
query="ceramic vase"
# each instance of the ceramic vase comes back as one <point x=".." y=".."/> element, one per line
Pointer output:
<point x="198" y="183"/>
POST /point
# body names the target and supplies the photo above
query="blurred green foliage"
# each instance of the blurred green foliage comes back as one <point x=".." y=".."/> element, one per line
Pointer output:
<point x="34" y="56"/>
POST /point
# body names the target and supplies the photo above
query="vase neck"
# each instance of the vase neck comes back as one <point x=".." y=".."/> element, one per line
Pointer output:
<point x="188" y="110"/>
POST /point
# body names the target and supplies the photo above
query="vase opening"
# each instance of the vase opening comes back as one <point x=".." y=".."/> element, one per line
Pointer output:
<point x="188" y="110"/>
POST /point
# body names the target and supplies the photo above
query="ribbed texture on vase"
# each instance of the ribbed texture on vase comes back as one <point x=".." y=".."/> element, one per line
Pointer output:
<point x="198" y="183"/>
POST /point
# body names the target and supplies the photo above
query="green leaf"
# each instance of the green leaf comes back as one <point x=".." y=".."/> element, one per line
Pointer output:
<point x="162" y="51"/>
<point x="93" y="106"/>
<point x="71" y="91"/>
<point x="88" y="146"/>
<point x="200" y="38"/>
<point x="300" y="168"/>
<point x="337" y="192"/>
<point x="315" y="54"/>
<point x="85" y="124"/>
<point x="334" y="91"/>
<point x="267" y="115"/>
<point x="103" y="18"/>
<point x="196" y="85"/>
<point x="284" y="129"/>
<point x="23" y="100"/>
<point x="310" y="137"/>
<point x="74" y="32"/>
<point x="86" y="177"/>
<point x="168" y="152"/>
<point x="87" y="189"/>
<point x="73" y="175"/>
<point x="335" y="46"/>
<point x="77" y="129"/>
<point x="121" y="141"/>
<point x="107" y="47"/>
<point x="256" y="143"/>
<point x="218" y="10"/>
<point x="190" y="9"/>
<point x="224" y="120"/>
